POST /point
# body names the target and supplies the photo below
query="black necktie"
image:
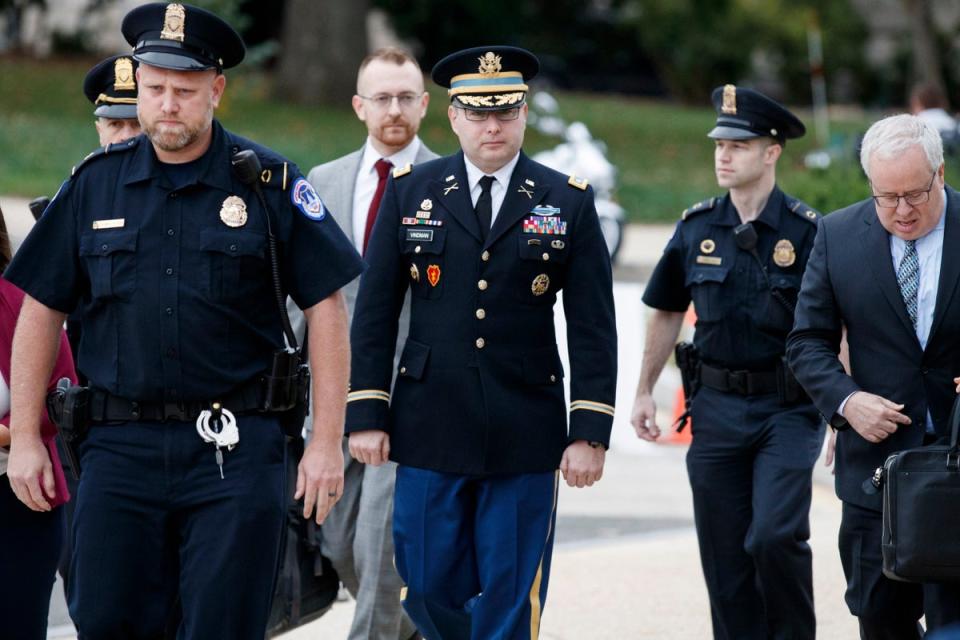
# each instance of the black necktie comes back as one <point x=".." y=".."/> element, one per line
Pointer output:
<point x="484" y="208"/>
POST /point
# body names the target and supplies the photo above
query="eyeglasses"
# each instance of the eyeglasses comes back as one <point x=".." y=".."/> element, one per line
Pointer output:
<point x="500" y="114"/>
<point x="913" y="198"/>
<point x="384" y="100"/>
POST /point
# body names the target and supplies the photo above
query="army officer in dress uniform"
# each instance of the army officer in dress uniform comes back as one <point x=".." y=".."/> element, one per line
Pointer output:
<point x="477" y="420"/>
<point x="740" y="258"/>
<point x="164" y="247"/>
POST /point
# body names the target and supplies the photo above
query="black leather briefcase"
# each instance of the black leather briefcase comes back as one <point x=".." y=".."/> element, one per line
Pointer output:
<point x="921" y="510"/>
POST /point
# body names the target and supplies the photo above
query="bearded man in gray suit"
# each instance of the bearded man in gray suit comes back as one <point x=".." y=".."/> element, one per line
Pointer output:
<point x="358" y="533"/>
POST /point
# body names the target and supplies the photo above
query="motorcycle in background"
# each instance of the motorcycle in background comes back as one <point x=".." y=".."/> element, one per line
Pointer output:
<point x="582" y="155"/>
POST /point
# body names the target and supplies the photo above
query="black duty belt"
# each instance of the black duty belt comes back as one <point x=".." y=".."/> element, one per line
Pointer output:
<point x="746" y="383"/>
<point x="106" y="407"/>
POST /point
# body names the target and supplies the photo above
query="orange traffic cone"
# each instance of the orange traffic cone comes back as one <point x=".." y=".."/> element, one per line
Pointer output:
<point x="680" y="406"/>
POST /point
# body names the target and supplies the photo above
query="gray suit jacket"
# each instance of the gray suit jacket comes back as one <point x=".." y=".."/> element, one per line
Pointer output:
<point x="335" y="181"/>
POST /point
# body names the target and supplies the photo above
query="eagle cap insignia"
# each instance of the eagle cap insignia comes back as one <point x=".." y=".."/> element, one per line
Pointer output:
<point x="233" y="212"/>
<point x="123" y="75"/>
<point x="489" y="63"/>
<point x="729" y="99"/>
<point x="173" y="23"/>
<point x="784" y="254"/>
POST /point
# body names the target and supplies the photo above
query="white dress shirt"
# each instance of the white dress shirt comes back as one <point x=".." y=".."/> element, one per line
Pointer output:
<point x="930" y="255"/>
<point x="366" y="184"/>
<point x="498" y="190"/>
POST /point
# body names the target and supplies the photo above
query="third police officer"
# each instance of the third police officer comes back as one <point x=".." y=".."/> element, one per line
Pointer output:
<point x="739" y="258"/>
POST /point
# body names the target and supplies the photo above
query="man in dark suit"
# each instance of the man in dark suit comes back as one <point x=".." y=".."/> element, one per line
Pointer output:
<point x="879" y="269"/>
<point x="358" y="533"/>
<point x="484" y="239"/>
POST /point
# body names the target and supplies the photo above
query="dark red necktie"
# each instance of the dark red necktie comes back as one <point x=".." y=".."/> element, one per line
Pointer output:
<point x="383" y="170"/>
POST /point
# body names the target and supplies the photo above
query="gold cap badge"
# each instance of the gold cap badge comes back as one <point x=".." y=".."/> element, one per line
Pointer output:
<point x="123" y="75"/>
<point x="784" y="254"/>
<point x="489" y="63"/>
<point x="729" y="99"/>
<point x="173" y="23"/>
<point x="708" y="246"/>
<point x="233" y="212"/>
<point x="540" y="284"/>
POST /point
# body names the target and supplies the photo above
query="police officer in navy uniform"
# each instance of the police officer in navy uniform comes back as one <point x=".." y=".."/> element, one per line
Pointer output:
<point x="477" y="421"/>
<point x="739" y="258"/>
<point x="165" y="249"/>
<point x="111" y="86"/>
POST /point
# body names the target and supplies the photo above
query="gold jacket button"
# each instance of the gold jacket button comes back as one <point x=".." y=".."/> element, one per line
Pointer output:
<point x="481" y="343"/>
<point x="485" y="256"/>
<point x="481" y="314"/>
<point x="417" y="249"/>
<point x="403" y="369"/>
<point x="482" y="285"/>
<point x="546" y="256"/>
<point x="553" y="378"/>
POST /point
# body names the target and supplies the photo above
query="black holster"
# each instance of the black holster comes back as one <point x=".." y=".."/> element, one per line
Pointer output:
<point x="287" y="390"/>
<point x="688" y="361"/>
<point x="69" y="408"/>
<point x="789" y="391"/>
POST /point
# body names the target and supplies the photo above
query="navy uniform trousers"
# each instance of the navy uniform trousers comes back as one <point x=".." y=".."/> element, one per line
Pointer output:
<point x="750" y="467"/>
<point x="153" y="518"/>
<point x="456" y="536"/>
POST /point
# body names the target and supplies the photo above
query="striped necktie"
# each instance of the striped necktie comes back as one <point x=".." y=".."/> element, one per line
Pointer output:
<point x="908" y="277"/>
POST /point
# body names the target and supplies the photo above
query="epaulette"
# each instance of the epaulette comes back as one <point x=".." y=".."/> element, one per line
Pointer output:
<point x="579" y="183"/>
<point x="802" y="209"/>
<point x="276" y="176"/>
<point x="111" y="148"/>
<point x="703" y="205"/>
<point x="399" y="172"/>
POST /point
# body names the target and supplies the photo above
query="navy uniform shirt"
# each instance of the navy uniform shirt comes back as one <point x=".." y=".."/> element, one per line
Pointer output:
<point x="176" y="303"/>
<point x="740" y="325"/>
<point x="480" y="387"/>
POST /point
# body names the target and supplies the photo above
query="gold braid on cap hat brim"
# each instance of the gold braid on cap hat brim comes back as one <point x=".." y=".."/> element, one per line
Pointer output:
<point x="503" y="99"/>
<point x="104" y="98"/>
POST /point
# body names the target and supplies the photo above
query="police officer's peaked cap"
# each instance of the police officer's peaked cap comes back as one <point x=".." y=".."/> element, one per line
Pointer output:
<point x="181" y="37"/>
<point x="112" y="88"/>
<point x="487" y="78"/>
<point x="744" y="113"/>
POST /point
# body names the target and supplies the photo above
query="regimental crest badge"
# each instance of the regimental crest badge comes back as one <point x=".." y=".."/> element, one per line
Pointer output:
<point x="233" y="212"/>
<point x="174" y="21"/>
<point x="489" y="63"/>
<point x="540" y="284"/>
<point x="433" y="274"/>
<point x="784" y="254"/>
<point x="427" y="204"/>
<point x="123" y="75"/>
<point x="414" y="273"/>
<point x="729" y="99"/>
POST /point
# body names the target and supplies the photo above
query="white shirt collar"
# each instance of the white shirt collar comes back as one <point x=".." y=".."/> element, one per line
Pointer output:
<point x="401" y="158"/>
<point x="502" y="174"/>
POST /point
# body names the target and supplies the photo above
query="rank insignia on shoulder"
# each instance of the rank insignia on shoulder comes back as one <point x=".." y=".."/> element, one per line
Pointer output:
<point x="305" y="198"/>
<point x="703" y="205"/>
<point x="579" y="183"/>
<point x="399" y="172"/>
<point x="551" y="225"/>
<point x="233" y="212"/>
<point x="545" y="210"/>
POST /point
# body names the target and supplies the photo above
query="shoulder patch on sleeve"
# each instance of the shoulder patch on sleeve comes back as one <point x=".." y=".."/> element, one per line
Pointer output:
<point x="305" y="198"/>
<point x="399" y="172"/>
<point x="276" y="176"/>
<point x="103" y="151"/>
<point x="703" y="205"/>
<point x="802" y="209"/>
<point x="579" y="183"/>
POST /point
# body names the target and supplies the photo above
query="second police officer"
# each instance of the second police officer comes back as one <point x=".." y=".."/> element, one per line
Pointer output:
<point x="164" y="245"/>
<point x="739" y="258"/>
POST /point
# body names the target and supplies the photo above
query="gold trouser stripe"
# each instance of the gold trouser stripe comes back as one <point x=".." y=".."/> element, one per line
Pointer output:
<point x="368" y="394"/>
<point x="535" y="608"/>
<point x="588" y="405"/>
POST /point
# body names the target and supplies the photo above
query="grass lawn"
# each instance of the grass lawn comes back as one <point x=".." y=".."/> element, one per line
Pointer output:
<point x="664" y="158"/>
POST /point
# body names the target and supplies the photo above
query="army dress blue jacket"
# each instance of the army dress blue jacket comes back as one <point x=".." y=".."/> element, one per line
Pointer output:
<point x="173" y="282"/>
<point x="479" y="386"/>
<point x="740" y="324"/>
